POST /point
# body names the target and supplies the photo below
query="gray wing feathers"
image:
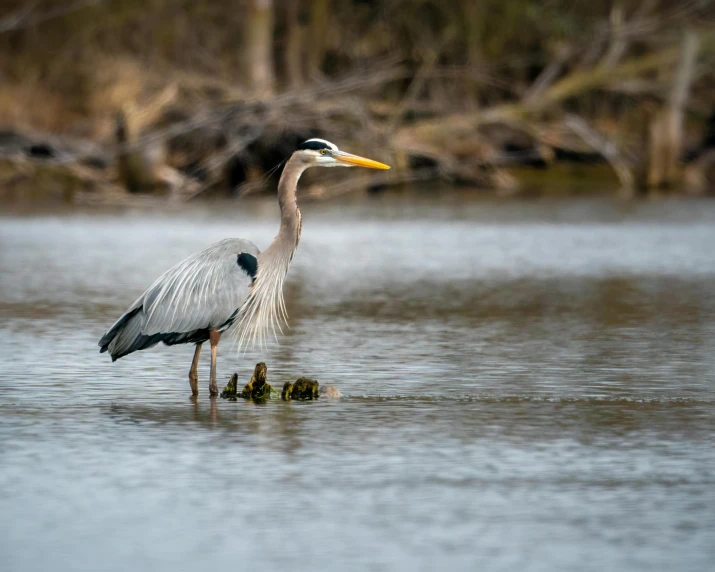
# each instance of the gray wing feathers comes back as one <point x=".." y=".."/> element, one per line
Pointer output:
<point x="201" y="292"/>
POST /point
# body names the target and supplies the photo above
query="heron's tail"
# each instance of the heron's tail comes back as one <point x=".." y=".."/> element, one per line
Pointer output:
<point x="124" y="337"/>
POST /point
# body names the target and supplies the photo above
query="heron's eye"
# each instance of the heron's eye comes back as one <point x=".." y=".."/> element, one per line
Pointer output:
<point x="323" y="151"/>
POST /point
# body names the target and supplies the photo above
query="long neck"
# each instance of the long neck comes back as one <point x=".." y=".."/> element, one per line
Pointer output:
<point x="289" y="233"/>
<point x="263" y="311"/>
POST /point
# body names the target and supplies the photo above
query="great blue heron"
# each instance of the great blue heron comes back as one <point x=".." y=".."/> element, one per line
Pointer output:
<point x="230" y="284"/>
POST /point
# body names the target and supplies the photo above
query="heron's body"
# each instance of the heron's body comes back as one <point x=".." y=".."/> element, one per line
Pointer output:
<point x="229" y="284"/>
<point x="186" y="303"/>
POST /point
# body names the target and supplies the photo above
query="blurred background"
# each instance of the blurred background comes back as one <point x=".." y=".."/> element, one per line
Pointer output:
<point x="103" y="98"/>
<point x="520" y="314"/>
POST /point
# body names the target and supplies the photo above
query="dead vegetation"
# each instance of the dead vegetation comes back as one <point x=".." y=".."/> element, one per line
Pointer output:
<point x="126" y="98"/>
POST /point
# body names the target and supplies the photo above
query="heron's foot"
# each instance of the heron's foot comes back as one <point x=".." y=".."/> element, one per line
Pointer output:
<point x="213" y="388"/>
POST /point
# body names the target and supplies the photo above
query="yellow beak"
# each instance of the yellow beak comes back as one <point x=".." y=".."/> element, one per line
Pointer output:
<point x="359" y="161"/>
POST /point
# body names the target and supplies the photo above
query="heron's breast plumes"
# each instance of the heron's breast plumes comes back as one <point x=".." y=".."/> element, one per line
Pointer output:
<point x="264" y="312"/>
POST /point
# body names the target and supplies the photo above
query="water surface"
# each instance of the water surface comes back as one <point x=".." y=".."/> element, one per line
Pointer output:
<point x="526" y="386"/>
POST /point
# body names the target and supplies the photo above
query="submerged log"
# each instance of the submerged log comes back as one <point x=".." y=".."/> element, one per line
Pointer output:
<point x="231" y="390"/>
<point x="259" y="389"/>
<point x="303" y="388"/>
<point x="329" y="392"/>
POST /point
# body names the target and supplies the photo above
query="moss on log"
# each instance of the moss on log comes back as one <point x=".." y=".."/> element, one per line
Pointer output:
<point x="230" y="391"/>
<point x="259" y="389"/>
<point x="256" y="389"/>
<point x="303" y="388"/>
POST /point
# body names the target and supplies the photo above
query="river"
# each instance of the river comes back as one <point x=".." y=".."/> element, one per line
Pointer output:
<point x="527" y="385"/>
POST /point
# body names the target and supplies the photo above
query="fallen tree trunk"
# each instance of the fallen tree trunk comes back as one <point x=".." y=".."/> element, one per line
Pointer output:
<point x="577" y="83"/>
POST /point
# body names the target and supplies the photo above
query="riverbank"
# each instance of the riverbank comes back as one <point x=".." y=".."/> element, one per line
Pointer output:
<point x="91" y="109"/>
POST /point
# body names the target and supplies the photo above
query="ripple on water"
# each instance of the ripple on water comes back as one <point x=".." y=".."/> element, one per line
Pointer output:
<point x="525" y="386"/>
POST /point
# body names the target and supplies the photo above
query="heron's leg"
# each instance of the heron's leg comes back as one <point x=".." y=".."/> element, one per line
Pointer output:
<point x="194" y="371"/>
<point x="214" y="336"/>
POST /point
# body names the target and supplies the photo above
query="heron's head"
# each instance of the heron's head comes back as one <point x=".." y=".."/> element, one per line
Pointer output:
<point x="322" y="153"/>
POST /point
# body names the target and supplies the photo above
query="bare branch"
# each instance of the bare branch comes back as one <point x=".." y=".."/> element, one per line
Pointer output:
<point x="548" y="75"/>
<point x="606" y="148"/>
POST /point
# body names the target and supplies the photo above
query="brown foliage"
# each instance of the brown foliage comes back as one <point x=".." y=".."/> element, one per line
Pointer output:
<point x="425" y="80"/>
